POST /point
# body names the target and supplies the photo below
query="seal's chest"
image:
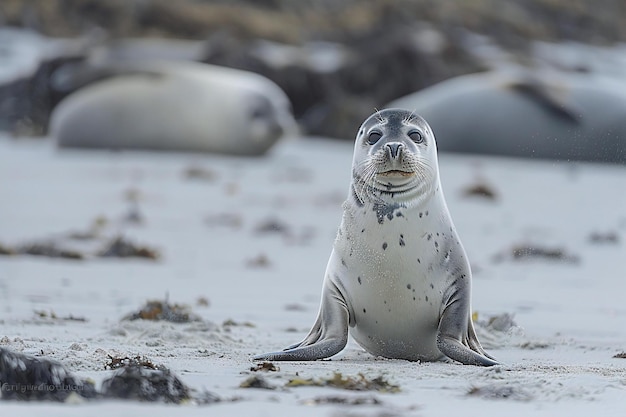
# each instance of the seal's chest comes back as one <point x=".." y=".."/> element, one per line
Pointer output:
<point x="401" y="257"/>
<point x="401" y="276"/>
<point x="401" y="238"/>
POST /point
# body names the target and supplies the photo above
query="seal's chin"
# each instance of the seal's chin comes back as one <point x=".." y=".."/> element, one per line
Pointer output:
<point x="396" y="173"/>
<point x="395" y="180"/>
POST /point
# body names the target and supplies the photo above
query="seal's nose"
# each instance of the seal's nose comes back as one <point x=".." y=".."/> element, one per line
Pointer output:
<point x="394" y="149"/>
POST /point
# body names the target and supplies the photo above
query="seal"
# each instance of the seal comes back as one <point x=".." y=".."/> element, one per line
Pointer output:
<point x="532" y="114"/>
<point x="398" y="277"/>
<point x="175" y="106"/>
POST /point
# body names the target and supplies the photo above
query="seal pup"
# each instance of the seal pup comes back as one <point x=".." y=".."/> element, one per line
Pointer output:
<point x="398" y="277"/>
<point x="177" y="106"/>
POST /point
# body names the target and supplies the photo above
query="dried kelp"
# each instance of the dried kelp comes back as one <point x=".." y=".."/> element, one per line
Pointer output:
<point x="256" y="381"/>
<point x="122" y="248"/>
<point x="500" y="392"/>
<point x="162" y="310"/>
<point x="358" y="383"/>
<point x="116" y="362"/>
<point x="265" y="367"/>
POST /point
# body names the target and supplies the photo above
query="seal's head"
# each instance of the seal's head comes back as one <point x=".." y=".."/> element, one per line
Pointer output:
<point x="269" y="117"/>
<point x="395" y="156"/>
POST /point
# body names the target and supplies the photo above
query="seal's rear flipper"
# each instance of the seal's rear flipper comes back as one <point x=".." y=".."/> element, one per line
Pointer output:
<point x="473" y="343"/>
<point x="328" y="336"/>
<point x="456" y="337"/>
<point x="457" y="351"/>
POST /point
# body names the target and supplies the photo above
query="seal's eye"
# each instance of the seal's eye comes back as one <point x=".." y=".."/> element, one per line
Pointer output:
<point x="416" y="136"/>
<point x="374" y="137"/>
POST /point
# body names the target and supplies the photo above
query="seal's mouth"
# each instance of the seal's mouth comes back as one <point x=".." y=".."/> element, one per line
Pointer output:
<point x="396" y="173"/>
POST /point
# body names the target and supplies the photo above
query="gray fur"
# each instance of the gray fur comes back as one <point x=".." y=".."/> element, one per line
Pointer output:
<point x="527" y="114"/>
<point x="398" y="277"/>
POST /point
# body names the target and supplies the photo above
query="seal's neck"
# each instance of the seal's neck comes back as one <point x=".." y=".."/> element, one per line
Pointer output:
<point x="385" y="206"/>
<point x="415" y="195"/>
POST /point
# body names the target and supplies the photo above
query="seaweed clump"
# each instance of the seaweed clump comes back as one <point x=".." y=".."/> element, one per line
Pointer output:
<point x="121" y="248"/>
<point x="142" y="383"/>
<point x="481" y="190"/>
<point x="527" y="252"/>
<point x="499" y="392"/>
<point x="358" y="383"/>
<point x="27" y="378"/>
<point x="265" y="367"/>
<point x="256" y="381"/>
<point x="158" y="310"/>
<point x="117" y="362"/>
<point x="48" y="248"/>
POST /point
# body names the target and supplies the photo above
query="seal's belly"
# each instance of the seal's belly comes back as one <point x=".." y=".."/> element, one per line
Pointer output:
<point x="395" y="307"/>
<point x="400" y="320"/>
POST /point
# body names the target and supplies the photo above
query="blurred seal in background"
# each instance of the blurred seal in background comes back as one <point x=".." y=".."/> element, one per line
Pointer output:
<point x="175" y="106"/>
<point x="549" y="115"/>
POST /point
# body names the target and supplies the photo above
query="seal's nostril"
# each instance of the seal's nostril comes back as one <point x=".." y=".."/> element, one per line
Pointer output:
<point x="394" y="149"/>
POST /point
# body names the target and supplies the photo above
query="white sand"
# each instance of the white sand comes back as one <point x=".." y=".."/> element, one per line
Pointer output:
<point x="559" y="361"/>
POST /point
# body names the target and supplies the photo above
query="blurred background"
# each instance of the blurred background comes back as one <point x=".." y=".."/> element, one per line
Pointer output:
<point x="335" y="60"/>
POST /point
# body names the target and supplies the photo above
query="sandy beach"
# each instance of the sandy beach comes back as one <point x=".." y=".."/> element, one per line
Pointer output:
<point x="244" y="243"/>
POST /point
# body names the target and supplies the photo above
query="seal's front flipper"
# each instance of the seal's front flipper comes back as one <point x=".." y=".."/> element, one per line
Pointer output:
<point x="328" y="336"/>
<point x="456" y="337"/>
<point x="320" y="350"/>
